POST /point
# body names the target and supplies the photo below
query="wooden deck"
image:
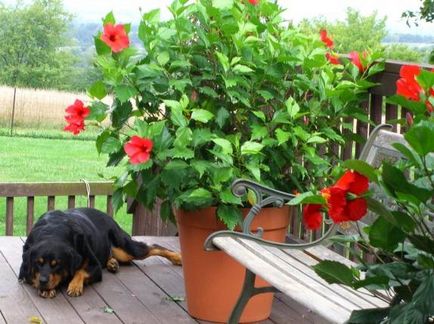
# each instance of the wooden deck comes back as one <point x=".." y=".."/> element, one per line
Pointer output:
<point x="140" y="293"/>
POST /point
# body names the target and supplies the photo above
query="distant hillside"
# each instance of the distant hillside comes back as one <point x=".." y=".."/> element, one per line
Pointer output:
<point x="408" y="38"/>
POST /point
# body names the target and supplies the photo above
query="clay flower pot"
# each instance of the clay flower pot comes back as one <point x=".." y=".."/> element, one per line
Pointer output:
<point x="213" y="280"/>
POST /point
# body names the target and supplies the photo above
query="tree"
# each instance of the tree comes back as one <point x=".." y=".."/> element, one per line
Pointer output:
<point x="358" y="33"/>
<point x="33" y="51"/>
<point x="355" y="33"/>
<point x="426" y="12"/>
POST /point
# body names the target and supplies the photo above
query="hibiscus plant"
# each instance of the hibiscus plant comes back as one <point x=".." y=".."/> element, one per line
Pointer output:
<point x="400" y="242"/>
<point x="224" y="89"/>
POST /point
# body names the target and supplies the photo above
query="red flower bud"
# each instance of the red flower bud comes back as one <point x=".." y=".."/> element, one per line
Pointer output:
<point x="409" y="118"/>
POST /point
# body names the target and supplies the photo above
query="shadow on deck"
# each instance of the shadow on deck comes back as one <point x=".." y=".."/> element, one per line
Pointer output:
<point x="149" y="291"/>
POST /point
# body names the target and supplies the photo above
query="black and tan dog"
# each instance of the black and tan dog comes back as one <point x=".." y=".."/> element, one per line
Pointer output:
<point x="74" y="246"/>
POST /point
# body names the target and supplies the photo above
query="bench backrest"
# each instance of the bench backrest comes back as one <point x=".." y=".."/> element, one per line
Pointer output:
<point x="377" y="149"/>
<point x="70" y="190"/>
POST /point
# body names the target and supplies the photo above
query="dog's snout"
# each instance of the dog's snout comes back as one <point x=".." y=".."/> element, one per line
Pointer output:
<point x="43" y="281"/>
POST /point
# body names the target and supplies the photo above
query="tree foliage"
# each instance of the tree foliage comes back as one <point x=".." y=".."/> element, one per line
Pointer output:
<point x="33" y="51"/>
<point x="358" y="32"/>
<point x="426" y="12"/>
<point x="355" y="33"/>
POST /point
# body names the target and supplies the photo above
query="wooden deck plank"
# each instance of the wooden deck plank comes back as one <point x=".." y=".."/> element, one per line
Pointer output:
<point x="12" y="291"/>
<point x="155" y="299"/>
<point x="122" y="301"/>
<point x="56" y="310"/>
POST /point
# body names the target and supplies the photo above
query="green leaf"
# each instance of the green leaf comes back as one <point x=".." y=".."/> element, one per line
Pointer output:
<point x="251" y="148"/>
<point x="224" y="144"/>
<point x="177" y="117"/>
<point x="117" y="199"/>
<point x="396" y="182"/>
<point x="368" y="315"/>
<point x="201" y="115"/>
<point x="408" y="153"/>
<point x="124" y="92"/>
<point x="163" y="58"/>
<point x="101" y="47"/>
<point x="385" y="235"/>
<point x="224" y="60"/>
<point x="334" y="272"/>
<point x="420" y="136"/>
<point x="98" y="111"/>
<point x="316" y="139"/>
<point x="230" y="215"/>
<point x="109" y="19"/>
<point x="425" y="79"/>
<point x="111" y="145"/>
<point x="379" y="209"/>
<point x="307" y="198"/>
<point x="223" y="4"/>
<point x="101" y="138"/>
<point x="121" y="113"/>
<point x="166" y="211"/>
<point x="227" y="197"/>
<point x="292" y="107"/>
<point x="260" y="115"/>
<point x="239" y="68"/>
<point x="363" y="168"/>
<point x="282" y="136"/>
<point x="98" y="90"/>
<point x="423" y="243"/>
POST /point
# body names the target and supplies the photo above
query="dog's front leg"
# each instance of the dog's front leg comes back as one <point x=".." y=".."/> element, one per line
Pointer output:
<point x="75" y="287"/>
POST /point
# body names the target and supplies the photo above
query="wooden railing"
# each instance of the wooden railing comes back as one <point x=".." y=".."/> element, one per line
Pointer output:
<point x="51" y="190"/>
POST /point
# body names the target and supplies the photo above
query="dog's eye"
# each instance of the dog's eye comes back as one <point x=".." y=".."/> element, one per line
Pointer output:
<point x="54" y="263"/>
<point x="40" y="261"/>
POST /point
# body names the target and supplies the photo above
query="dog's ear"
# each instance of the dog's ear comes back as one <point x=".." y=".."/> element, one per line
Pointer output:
<point x="75" y="261"/>
<point x="26" y="265"/>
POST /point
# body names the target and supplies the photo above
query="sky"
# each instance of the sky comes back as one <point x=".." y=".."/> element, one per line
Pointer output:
<point x="128" y="10"/>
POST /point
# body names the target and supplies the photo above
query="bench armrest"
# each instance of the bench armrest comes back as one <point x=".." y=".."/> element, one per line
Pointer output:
<point x="264" y="196"/>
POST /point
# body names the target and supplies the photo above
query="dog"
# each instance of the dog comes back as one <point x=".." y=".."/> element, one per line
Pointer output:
<point x="74" y="246"/>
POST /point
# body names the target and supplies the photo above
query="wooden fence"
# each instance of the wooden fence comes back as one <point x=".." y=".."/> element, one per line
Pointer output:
<point x="147" y="222"/>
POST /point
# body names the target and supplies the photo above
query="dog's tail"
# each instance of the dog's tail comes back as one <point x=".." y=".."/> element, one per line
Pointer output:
<point x="125" y="249"/>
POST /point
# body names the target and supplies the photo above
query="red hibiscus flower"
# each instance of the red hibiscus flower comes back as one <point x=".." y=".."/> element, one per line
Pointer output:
<point x="75" y="115"/>
<point x="407" y="85"/>
<point x="74" y="127"/>
<point x="341" y="207"/>
<point x="254" y="2"/>
<point x="312" y="216"/>
<point x="77" y="111"/>
<point x="138" y="149"/>
<point x="333" y="58"/>
<point x="325" y="39"/>
<point x="116" y="37"/>
<point x="355" y="59"/>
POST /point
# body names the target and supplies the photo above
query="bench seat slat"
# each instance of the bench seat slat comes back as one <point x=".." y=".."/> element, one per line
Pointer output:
<point x="282" y="280"/>
<point x="299" y="261"/>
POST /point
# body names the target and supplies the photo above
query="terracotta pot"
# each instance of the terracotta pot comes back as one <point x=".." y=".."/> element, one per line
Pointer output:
<point x="213" y="280"/>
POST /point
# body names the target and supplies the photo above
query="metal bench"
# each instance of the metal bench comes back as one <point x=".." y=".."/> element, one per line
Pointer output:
<point x="287" y="266"/>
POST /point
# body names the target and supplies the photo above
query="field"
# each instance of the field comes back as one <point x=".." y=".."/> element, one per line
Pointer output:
<point x="35" y="108"/>
<point x="50" y="156"/>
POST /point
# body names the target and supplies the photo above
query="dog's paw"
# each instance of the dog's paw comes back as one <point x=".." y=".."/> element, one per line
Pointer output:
<point x="112" y="265"/>
<point x="48" y="293"/>
<point x="74" y="290"/>
<point x="176" y="259"/>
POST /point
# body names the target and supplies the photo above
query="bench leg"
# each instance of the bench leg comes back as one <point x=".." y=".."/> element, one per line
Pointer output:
<point x="249" y="290"/>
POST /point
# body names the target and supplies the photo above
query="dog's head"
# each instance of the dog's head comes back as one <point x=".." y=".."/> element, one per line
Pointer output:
<point x="48" y="263"/>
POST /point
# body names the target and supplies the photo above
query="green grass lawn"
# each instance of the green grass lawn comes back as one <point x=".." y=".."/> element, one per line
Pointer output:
<point x="33" y="159"/>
